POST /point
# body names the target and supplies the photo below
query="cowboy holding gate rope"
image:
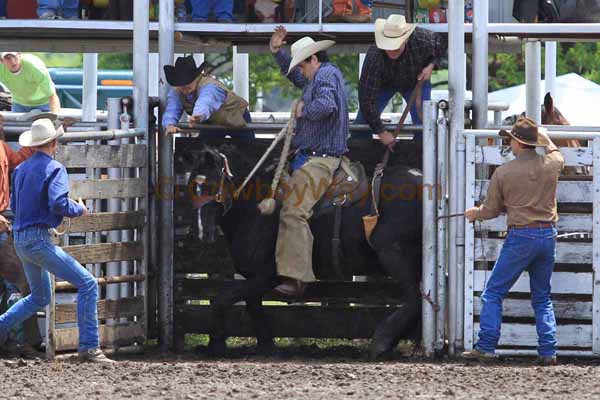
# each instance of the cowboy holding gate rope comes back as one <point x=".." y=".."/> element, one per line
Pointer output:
<point x="404" y="55"/>
<point x="525" y="189"/>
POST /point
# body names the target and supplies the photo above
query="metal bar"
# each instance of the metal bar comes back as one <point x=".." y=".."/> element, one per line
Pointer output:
<point x="114" y="205"/>
<point x="469" y="245"/>
<point x="64" y="285"/>
<point x="480" y="63"/>
<point x="428" y="313"/>
<point x="554" y="134"/>
<point x="101" y="135"/>
<point x="596" y="239"/>
<point x="456" y="89"/>
<point x="442" y="238"/>
<point x="51" y="322"/>
<point x="89" y="94"/>
<point x="16" y="117"/>
<point x="165" y="185"/>
<point x="277" y="127"/>
<point x="550" y="67"/>
<point x="241" y="80"/>
<point x="320" y="15"/>
<point x="127" y="235"/>
<point x="533" y="71"/>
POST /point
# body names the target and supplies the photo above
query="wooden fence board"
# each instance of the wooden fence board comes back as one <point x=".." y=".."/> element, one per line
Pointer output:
<point x="525" y="335"/>
<point x="382" y="292"/>
<point x="566" y="252"/>
<point x="107" y="309"/>
<point x="493" y="155"/>
<point x="566" y="192"/>
<point x="566" y="223"/>
<point x="106" y="252"/>
<point x="104" y="221"/>
<point x="562" y="282"/>
<point x="110" y="335"/>
<point x="291" y="321"/>
<point x="108" y="188"/>
<point x="563" y="309"/>
<point x="102" y="156"/>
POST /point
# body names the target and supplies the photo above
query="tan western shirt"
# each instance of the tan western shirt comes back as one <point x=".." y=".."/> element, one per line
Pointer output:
<point x="525" y="189"/>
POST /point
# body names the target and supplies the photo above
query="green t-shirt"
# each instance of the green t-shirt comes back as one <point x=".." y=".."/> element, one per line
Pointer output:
<point x="32" y="85"/>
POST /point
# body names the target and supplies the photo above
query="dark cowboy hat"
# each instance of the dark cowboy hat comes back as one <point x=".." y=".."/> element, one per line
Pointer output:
<point x="183" y="72"/>
<point x="525" y="131"/>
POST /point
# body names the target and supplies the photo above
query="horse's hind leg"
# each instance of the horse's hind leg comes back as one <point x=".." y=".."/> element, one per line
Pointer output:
<point x="264" y="336"/>
<point x="403" y="268"/>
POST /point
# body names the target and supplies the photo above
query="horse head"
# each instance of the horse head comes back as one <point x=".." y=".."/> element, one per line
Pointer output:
<point x="550" y="114"/>
<point x="211" y="185"/>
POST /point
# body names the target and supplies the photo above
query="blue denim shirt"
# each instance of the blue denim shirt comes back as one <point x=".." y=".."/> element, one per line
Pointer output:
<point x="40" y="195"/>
<point x="209" y="98"/>
<point x="323" y="127"/>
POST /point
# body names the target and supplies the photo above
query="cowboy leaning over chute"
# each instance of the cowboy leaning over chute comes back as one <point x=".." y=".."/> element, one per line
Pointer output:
<point x="320" y="141"/>
<point x="404" y="55"/>
<point x="205" y="100"/>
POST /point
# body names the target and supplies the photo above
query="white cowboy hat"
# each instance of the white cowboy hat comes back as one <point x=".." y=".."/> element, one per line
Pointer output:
<point x="9" y="53"/>
<point x="42" y="132"/>
<point x="393" y="32"/>
<point x="306" y="47"/>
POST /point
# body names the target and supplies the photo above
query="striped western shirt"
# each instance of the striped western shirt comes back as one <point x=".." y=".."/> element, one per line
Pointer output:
<point x="323" y="127"/>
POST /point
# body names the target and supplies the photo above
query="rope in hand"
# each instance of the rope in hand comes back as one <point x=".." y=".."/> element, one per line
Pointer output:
<point x="267" y="206"/>
<point x="286" y="132"/>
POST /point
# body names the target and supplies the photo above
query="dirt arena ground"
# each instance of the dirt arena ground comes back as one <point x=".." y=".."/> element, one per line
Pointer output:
<point x="299" y="375"/>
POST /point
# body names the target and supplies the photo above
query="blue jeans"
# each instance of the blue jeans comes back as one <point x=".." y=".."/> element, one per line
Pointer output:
<point x="20" y="108"/>
<point x="39" y="256"/>
<point x="383" y="98"/>
<point x="524" y="249"/>
<point x="66" y="8"/>
<point x="223" y="10"/>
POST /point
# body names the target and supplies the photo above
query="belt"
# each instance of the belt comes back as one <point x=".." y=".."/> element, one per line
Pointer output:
<point x="319" y="154"/>
<point x="534" y="225"/>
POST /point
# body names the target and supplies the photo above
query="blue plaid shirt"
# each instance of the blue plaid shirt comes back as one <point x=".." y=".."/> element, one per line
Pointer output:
<point x="323" y="127"/>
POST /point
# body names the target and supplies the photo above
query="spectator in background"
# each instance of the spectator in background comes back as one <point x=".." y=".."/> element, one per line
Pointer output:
<point x="58" y="9"/>
<point x="2" y="9"/>
<point x="343" y="11"/>
<point x="201" y="9"/>
<point x="26" y="76"/>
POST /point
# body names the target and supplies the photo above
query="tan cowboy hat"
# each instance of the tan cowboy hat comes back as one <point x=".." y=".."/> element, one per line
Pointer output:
<point x="526" y="131"/>
<point x="393" y="32"/>
<point x="42" y="132"/>
<point x="306" y="47"/>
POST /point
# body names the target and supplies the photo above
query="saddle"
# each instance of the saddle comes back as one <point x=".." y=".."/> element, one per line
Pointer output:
<point x="349" y="186"/>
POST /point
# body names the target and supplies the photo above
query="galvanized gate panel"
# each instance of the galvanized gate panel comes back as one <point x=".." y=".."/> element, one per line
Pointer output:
<point x="575" y="288"/>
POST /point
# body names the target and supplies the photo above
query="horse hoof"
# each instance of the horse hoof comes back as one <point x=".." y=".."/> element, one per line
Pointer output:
<point x="266" y="349"/>
<point x="216" y="348"/>
<point x="379" y="351"/>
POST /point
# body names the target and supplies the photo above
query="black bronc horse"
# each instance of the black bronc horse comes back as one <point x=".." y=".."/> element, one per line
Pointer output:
<point x="395" y="251"/>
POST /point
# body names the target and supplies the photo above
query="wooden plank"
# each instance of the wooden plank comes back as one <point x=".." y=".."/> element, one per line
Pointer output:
<point x="566" y="192"/>
<point x="562" y="282"/>
<point x="106" y="252"/>
<point x="383" y="292"/>
<point x="104" y="221"/>
<point x="525" y="335"/>
<point x="469" y="245"/>
<point x="596" y="255"/>
<point x="102" y="156"/>
<point x="108" y="188"/>
<point x="566" y="252"/>
<point x="563" y="309"/>
<point x="291" y="321"/>
<point x="566" y="223"/>
<point x="110" y="335"/>
<point x="107" y="309"/>
<point x="493" y="155"/>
